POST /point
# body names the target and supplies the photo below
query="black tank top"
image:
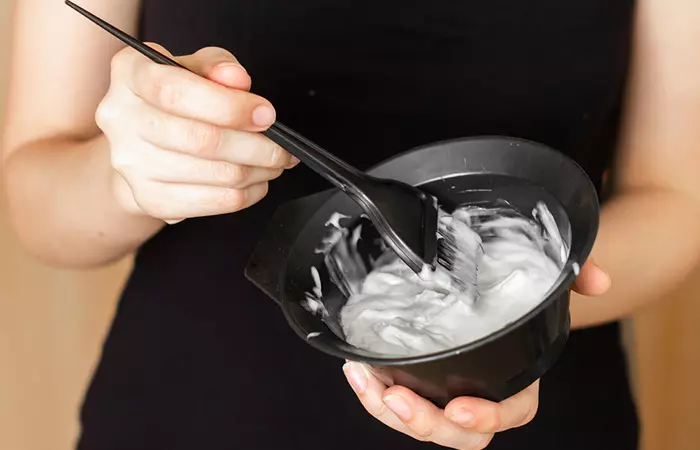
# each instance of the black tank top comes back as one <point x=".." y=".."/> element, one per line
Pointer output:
<point x="198" y="358"/>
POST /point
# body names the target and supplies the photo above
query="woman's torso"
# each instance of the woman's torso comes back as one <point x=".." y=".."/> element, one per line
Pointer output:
<point x="198" y="358"/>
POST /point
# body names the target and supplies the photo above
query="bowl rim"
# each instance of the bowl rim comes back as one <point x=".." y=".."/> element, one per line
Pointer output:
<point x="565" y="279"/>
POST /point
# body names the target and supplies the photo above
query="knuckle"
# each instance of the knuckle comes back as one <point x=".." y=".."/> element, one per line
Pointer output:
<point x="204" y="139"/>
<point x="233" y="199"/>
<point x="376" y="411"/>
<point x="233" y="175"/>
<point x="232" y="112"/>
<point x="105" y="113"/>
<point x="122" y="58"/>
<point x="239" y="173"/>
<point x="422" y="428"/>
<point x="122" y="162"/>
<point x="166" y="90"/>
<point x="277" y="156"/>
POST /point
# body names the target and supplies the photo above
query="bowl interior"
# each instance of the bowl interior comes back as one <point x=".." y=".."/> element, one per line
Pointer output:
<point x="491" y="173"/>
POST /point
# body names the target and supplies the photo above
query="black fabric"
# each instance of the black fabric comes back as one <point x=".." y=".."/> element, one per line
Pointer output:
<point x="198" y="358"/>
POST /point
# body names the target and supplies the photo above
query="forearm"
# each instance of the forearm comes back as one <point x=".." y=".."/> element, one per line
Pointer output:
<point x="62" y="205"/>
<point x="648" y="242"/>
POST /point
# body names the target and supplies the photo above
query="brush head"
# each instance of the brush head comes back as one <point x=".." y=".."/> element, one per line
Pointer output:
<point x="459" y="251"/>
<point x="405" y="217"/>
<point x="421" y="234"/>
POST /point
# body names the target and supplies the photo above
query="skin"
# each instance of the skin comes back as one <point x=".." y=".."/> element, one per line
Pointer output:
<point x="96" y="161"/>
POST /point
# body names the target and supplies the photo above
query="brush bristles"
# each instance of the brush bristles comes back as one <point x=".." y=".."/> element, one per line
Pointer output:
<point x="460" y="260"/>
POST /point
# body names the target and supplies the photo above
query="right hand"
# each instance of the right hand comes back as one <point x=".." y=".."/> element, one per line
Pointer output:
<point x="184" y="145"/>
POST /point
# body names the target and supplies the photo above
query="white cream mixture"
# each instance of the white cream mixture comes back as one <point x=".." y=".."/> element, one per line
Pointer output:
<point x="509" y="261"/>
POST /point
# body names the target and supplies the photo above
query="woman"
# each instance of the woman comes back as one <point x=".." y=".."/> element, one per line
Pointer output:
<point x="98" y="161"/>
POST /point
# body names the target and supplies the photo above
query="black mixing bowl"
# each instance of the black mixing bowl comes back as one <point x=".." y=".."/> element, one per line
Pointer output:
<point x="465" y="171"/>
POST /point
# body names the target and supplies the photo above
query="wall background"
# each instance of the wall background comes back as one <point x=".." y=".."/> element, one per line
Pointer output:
<point x="52" y="323"/>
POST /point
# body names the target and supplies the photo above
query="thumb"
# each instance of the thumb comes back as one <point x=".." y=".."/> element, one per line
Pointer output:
<point x="592" y="280"/>
<point x="219" y="66"/>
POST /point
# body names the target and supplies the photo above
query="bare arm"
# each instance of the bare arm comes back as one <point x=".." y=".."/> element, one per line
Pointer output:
<point x="173" y="144"/>
<point x="649" y="239"/>
<point x="57" y="169"/>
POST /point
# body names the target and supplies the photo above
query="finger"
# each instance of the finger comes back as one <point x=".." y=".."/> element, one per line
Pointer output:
<point x="426" y="420"/>
<point x="124" y="194"/>
<point x="369" y="391"/>
<point x="488" y="417"/>
<point x="125" y="197"/>
<point x="592" y="280"/>
<point x="185" y="94"/>
<point x="171" y="167"/>
<point x="174" y="201"/>
<point x="205" y="140"/>
<point x="218" y="65"/>
<point x="160" y="48"/>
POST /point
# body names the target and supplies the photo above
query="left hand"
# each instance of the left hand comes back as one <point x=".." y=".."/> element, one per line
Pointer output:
<point x="466" y="423"/>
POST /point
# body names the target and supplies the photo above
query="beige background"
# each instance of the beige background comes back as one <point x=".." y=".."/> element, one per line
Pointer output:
<point x="52" y="323"/>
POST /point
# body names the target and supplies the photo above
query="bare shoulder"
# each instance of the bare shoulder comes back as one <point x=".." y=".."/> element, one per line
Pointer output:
<point x="60" y="68"/>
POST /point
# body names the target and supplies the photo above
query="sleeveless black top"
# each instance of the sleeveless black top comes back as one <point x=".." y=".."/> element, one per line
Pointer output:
<point x="198" y="358"/>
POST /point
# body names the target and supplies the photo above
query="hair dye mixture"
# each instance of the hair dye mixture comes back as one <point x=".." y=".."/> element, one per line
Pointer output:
<point x="507" y="261"/>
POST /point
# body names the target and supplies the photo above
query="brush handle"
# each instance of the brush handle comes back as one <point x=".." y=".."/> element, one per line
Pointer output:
<point x="126" y="38"/>
<point x="335" y="170"/>
<point x="338" y="172"/>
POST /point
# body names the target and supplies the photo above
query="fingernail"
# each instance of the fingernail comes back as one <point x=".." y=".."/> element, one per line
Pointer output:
<point x="595" y="263"/>
<point x="263" y="116"/>
<point x="231" y="64"/>
<point x="592" y="262"/>
<point x="293" y="162"/>
<point x="464" y="417"/>
<point x="398" y="406"/>
<point x="356" y="376"/>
